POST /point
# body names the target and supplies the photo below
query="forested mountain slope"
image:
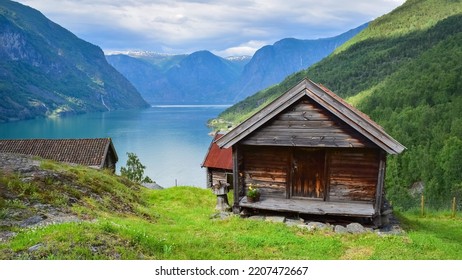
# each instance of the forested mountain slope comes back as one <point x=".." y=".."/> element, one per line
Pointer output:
<point x="272" y="63"/>
<point x="46" y="70"/>
<point x="404" y="71"/>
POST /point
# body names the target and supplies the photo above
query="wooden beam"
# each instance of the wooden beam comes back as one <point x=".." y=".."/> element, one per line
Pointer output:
<point x="290" y="173"/>
<point x="314" y="207"/>
<point x="327" y="175"/>
<point x="236" y="208"/>
<point x="262" y="116"/>
<point x="208" y="177"/>
<point x="380" y="182"/>
<point x="363" y="125"/>
<point x="329" y="102"/>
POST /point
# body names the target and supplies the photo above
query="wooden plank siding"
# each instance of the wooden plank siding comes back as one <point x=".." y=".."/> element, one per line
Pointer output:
<point x="348" y="174"/>
<point x="237" y="185"/>
<point x="267" y="168"/>
<point x="215" y="176"/>
<point x="308" y="151"/>
<point x="219" y="176"/>
<point x="380" y="193"/>
<point x="306" y="124"/>
<point x="353" y="174"/>
<point x="305" y="152"/>
<point x="323" y="98"/>
<point x="312" y="207"/>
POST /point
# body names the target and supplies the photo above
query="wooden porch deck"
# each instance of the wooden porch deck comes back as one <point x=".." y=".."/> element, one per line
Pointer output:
<point x="313" y="207"/>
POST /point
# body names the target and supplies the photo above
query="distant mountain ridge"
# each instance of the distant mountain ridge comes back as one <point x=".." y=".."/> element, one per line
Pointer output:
<point x="46" y="70"/>
<point x="198" y="78"/>
<point x="272" y="63"/>
<point x="202" y="77"/>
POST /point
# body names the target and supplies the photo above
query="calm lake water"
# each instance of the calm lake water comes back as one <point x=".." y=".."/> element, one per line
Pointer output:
<point x="171" y="141"/>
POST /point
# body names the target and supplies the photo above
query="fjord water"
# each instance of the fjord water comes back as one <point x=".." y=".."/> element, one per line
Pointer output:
<point x="171" y="141"/>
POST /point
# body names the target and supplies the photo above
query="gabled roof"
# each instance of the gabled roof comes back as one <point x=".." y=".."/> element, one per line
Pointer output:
<point x="328" y="101"/>
<point x="218" y="158"/>
<point x="89" y="152"/>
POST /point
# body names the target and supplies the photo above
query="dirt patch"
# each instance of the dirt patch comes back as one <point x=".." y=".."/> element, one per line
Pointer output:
<point x="357" y="253"/>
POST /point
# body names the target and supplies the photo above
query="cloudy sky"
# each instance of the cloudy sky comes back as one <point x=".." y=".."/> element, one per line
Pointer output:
<point x="225" y="27"/>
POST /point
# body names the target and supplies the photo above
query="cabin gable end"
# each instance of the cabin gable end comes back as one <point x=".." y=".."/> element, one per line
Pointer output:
<point x="306" y="124"/>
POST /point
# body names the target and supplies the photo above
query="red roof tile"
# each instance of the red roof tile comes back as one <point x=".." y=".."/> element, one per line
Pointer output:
<point x="89" y="152"/>
<point x="218" y="158"/>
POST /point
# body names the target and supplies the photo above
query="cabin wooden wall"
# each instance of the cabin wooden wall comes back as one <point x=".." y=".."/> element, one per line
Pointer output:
<point x="214" y="176"/>
<point x="110" y="161"/>
<point x="353" y="174"/>
<point x="275" y="155"/>
<point x="267" y="168"/>
<point x="217" y="176"/>
<point x="307" y="124"/>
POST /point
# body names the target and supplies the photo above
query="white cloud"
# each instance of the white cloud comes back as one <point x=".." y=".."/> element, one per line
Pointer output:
<point x="226" y="26"/>
<point x="247" y="48"/>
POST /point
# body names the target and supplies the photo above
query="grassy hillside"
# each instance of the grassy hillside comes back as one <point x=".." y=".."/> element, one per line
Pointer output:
<point x="414" y="15"/>
<point x="404" y="71"/>
<point x="115" y="219"/>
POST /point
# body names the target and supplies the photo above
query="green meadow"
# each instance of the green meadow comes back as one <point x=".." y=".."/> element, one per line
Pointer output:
<point x="121" y="220"/>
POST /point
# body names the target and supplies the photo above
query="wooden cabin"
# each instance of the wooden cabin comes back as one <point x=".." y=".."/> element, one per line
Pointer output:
<point x="95" y="152"/>
<point x="310" y="152"/>
<point x="219" y="164"/>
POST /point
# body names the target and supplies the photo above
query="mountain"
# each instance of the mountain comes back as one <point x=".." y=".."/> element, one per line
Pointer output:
<point x="404" y="71"/>
<point x="239" y="61"/>
<point x="139" y="72"/>
<point x="272" y="63"/>
<point x="46" y="70"/>
<point x="197" y="78"/>
<point x="200" y="78"/>
<point x="203" y="77"/>
<point x="160" y="81"/>
<point x="160" y="61"/>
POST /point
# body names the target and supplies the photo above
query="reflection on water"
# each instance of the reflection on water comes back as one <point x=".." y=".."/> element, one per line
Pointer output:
<point x="171" y="141"/>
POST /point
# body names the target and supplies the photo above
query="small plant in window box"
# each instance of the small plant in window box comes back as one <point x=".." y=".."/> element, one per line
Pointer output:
<point x="253" y="194"/>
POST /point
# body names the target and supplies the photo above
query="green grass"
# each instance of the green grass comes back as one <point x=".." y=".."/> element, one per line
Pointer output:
<point x="175" y="224"/>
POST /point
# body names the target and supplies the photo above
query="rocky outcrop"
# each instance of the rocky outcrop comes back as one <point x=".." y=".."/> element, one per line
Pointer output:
<point x="25" y="213"/>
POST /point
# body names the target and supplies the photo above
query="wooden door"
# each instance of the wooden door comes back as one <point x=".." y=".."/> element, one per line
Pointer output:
<point x="308" y="179"/>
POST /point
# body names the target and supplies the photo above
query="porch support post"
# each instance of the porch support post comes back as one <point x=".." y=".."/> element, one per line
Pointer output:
<point x="208" y="175"/>
<point x="380" y="183"/>
<point x="236" y="179"/>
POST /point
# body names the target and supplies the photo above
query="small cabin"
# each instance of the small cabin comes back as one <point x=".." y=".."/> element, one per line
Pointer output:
<point x="95" y="152"/>
<point x="309" y="152"/>
<point x="219" y="164"/>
